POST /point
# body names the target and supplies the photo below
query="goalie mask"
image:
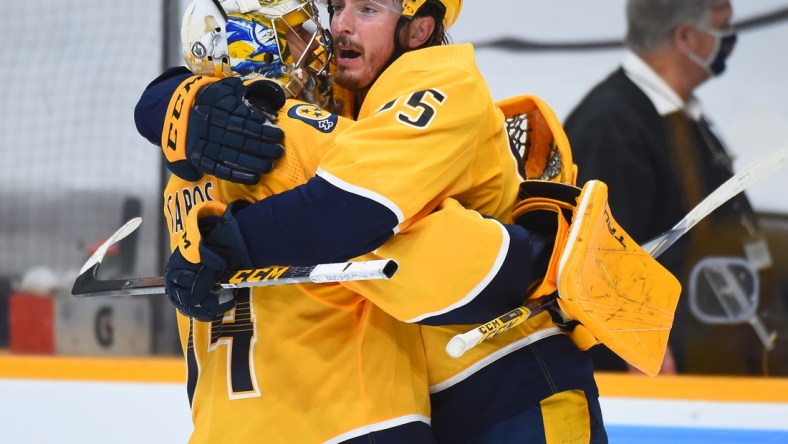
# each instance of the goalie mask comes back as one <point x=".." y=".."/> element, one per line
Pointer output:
<point x="252" y="39"/>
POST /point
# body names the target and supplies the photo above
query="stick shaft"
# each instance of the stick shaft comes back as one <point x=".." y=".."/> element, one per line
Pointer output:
<point x="461" y="343"/>
<point x="88" y="284"/>
<point x="754" y="172"/>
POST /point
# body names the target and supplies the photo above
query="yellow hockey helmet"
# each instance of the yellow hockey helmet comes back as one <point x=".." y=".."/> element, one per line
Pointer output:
<point x="249" y="39"/>
<point x="451" y="8"/>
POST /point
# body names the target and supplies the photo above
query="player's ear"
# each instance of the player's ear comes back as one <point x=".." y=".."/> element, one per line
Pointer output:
<point x="417" y="32"/>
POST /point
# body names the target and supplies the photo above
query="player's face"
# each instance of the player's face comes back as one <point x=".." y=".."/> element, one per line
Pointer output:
<point x="363" y="33"/>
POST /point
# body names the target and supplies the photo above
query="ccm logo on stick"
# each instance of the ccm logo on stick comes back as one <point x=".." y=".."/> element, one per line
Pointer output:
<point x="261" y="274"/>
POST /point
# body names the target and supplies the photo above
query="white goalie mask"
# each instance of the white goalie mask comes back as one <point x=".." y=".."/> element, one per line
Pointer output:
<point x="251" y="39"/>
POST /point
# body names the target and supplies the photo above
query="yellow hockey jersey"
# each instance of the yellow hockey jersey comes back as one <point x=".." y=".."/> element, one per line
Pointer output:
<point x="430" y="143"/>
<point x="305" y="363"/>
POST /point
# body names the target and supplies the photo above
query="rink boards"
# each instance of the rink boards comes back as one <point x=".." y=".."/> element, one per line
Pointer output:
<point x="129" y="400"/>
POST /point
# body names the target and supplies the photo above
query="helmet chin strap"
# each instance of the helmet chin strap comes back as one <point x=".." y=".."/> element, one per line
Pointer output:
<point x="330" y="8"/>
<point x="296" y="83"/>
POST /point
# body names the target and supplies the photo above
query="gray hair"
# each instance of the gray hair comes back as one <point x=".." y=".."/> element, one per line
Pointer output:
<point x="650" y="23"/>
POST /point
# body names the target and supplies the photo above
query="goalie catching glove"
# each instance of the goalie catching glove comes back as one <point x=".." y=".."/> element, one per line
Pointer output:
<point x="228" y="130"/>
<point x="210" y="246"/>
<point x="610" y="290"/>
<point x="536" y="133"/>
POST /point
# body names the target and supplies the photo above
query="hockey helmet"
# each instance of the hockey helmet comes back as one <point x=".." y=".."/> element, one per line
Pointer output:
<point x="409" y="8"/>
<point x="249" y="39"/>
<point x="451" y="9"/>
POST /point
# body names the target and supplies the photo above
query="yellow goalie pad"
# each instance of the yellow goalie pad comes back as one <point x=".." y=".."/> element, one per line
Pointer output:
<point x="536" y="133"/>
<point x="613" y="287"/>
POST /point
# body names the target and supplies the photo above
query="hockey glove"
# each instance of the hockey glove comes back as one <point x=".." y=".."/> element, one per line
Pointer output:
<point x="210" y="246"/>
<point x="537" y="134"/>
<point x="226" y="136"/>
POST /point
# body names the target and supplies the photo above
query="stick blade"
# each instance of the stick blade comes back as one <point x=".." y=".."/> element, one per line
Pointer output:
<point x="87" y="284"/>
<point x="96" y="258"/>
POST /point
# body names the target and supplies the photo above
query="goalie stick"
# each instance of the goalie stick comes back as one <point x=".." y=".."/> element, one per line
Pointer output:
<point x="757" y="170"/>
<point x="88" y="283"/>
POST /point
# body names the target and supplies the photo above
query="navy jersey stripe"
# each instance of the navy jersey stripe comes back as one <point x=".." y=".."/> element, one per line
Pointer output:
<point x="501" y="389"/>
<point x="314" y="223"/>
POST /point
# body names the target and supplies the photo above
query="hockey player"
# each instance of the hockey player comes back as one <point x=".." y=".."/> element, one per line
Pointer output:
<point x="261" y="373"/>
<point x="454" y="385"/>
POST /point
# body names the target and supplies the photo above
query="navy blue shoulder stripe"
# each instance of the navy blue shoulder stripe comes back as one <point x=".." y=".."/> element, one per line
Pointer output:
<point x="314" y="223"/>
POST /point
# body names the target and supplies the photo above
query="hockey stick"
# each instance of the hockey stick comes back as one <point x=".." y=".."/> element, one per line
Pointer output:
<point x="88" y="283"/>
<point x="754" y="172"/>
<point x="757" y="170"/>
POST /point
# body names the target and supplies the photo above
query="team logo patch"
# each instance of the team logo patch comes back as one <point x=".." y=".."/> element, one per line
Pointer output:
<point x="315" y="117"/>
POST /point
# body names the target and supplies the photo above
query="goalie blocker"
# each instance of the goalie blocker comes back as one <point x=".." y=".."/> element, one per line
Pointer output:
<point x="601" y="286"/>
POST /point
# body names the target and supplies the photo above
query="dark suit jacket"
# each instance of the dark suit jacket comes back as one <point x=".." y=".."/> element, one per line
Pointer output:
<point x="657" y="168"/>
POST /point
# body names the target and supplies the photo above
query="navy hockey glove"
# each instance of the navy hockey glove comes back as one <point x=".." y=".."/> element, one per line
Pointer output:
<point x="210" y="247"/>
<point x="231" y="133"/>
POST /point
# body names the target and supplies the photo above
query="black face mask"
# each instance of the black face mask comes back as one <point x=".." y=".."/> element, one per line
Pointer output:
<point x="724" y="41"/>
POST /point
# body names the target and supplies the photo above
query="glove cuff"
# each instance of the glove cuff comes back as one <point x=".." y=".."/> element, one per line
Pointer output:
<point x="173" y="137"/>
<point x="225" y="239"/>
<point x="546" y="218"/>
<point x="264" y="95"/>
<point x="195" y="223"/>
<point x="546" y="208"/>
